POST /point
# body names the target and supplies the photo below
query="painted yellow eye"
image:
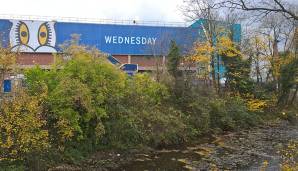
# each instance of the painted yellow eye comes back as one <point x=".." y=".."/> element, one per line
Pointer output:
<point x="43" y="34"/>
<point x="23" y="33"/>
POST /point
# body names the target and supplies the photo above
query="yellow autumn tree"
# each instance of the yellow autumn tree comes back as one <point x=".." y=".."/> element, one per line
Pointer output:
<point x="22" y="126"/>
<point x="201" y="55"/>
<point x="7" y="63"/>
<point x="204" y="53"/>
<point x="226" y="47"/>
<point x="257" y="50"/>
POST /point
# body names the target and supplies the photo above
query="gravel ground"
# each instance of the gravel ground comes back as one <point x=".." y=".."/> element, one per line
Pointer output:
<point x="249" y="149"/>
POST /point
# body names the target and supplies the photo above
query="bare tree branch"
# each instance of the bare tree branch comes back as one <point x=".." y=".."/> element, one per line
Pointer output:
<point x="268" y="6"/>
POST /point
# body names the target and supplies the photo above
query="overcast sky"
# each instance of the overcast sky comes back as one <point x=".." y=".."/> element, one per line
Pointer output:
<point x="146" y="10"/>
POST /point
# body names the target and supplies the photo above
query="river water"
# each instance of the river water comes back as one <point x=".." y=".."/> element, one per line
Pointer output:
<point x="245" y="150"/>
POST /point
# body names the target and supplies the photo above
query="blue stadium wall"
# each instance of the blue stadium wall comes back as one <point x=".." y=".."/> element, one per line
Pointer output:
<point x="45" y="37"/>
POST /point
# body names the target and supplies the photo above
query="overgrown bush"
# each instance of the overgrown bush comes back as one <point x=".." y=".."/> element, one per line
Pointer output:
<point x="290" y="114"/>
<point x="77" y="99"/>
<point x="84" y="104"/>
<point x="197" y="118"/>
<point x="23" y="136"/>
<point x="231" y="113"/>
<point x="144" y="118"/>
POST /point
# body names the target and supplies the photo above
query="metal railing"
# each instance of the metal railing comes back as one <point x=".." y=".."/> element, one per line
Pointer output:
<point x="92" y="20"/>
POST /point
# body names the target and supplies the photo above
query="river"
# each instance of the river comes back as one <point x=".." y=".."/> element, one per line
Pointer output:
<point x="259" y="148"/>
<point x="245" y="150"/>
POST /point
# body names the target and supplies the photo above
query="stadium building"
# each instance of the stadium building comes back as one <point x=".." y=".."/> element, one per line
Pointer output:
<point x="127" y="41"/>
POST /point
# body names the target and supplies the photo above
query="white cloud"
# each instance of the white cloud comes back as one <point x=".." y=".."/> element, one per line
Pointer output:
<point x="148" y="10"/>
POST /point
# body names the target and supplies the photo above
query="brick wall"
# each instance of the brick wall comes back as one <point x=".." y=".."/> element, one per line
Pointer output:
<point x="46" y="59"/>
<point x="35" y="59"/>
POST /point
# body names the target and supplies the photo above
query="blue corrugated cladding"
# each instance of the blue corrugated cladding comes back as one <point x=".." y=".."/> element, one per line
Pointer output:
<point x="236" y="30"/>
<point x="98" y="34"/>
<point x="5" y="26"/>
<point x="113" y="39"/>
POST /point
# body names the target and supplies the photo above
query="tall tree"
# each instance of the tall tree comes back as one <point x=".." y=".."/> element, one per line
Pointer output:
<point x="206" y="9"/>
<point x="289" y="81"/>
<point x="174" y="60"/>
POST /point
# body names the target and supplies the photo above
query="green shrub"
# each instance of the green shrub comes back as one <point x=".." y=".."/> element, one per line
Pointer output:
<point x="237" y="108"/>
<point x="143" y="117"/>
<point x="231" y="113"/>
<point x="123" y="132"/>
<point x="76" y="100"/>
<point x="290" y="114"/>
<point x="219" y="117"/>
<point x="12" y="166"/>
<point x="165" y="127"/>
<point x="197" y="118"/>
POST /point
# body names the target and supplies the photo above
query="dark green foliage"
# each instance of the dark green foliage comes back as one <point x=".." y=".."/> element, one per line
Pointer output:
<point x="289" y="81"/>
<point x="12" y="166"/>
<point x="148" y="126"/>
<point x="290" y="115"/>
<point x="238" y="75"/>
<point x="197" y="117"/>
<point x="143" y="118"/>
<point x="122" y="132"/>
<point x="231" y="113"/>
<point x="174" y="59"/>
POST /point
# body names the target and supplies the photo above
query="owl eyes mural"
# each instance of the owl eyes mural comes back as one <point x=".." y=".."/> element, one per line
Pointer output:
<point x="22" y="33"/>
<point x="32" y="36"/>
